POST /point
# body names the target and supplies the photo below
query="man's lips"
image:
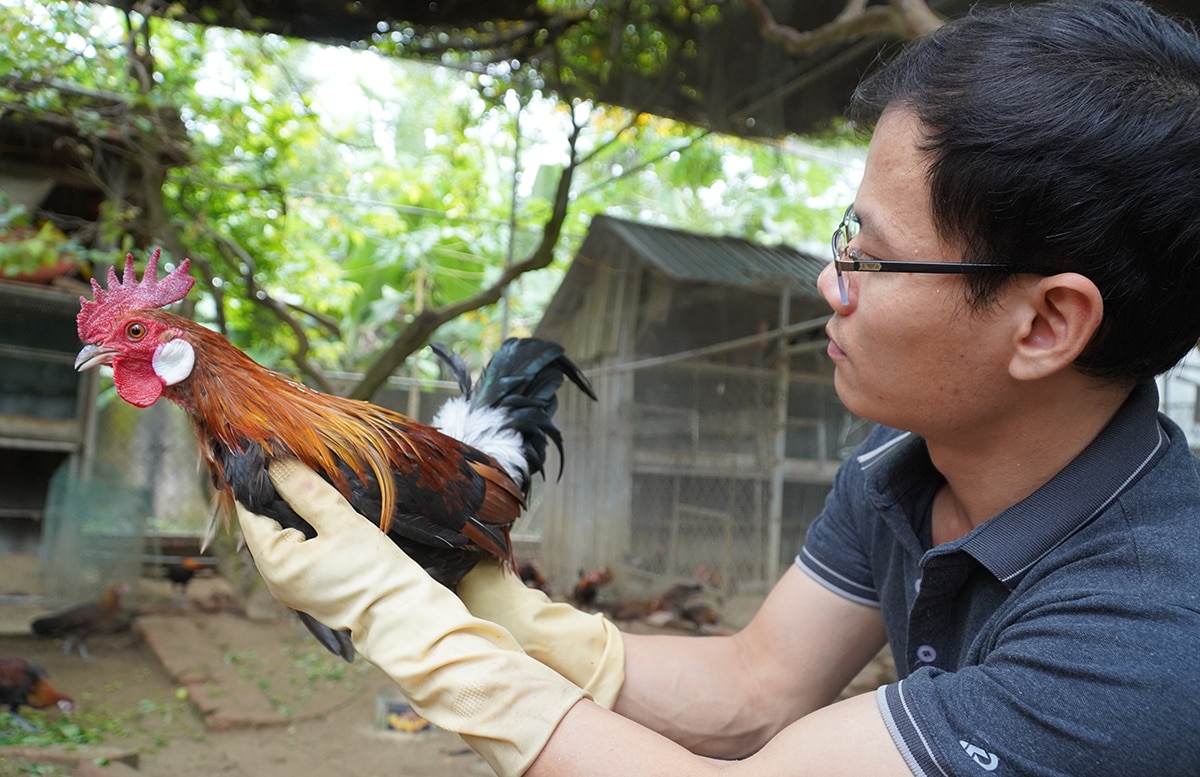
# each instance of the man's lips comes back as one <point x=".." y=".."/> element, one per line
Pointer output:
<point x="834" y="350"/>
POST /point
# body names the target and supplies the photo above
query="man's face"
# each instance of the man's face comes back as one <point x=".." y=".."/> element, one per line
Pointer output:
<point x="909" y="351"/>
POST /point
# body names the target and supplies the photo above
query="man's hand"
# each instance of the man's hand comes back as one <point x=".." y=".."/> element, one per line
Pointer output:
<point x="464" y="674"/>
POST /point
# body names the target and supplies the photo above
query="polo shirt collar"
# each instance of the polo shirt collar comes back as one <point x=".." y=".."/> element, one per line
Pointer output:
<point x="1009" y="543"/>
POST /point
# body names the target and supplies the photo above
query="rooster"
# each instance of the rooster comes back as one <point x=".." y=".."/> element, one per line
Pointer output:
<point x="587" y="587"/>
<point x="532" y="577"/>
<point x="23" y="684"/>
<point x="75" y="624"/>
<point x="674" y="598"/>
<point x="180" y="574"/>
<point x="447" y="496"/>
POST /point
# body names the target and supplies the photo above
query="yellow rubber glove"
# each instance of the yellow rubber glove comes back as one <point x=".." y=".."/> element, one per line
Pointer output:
<point x="464" y="674"/>
<point x="586" y="648"/>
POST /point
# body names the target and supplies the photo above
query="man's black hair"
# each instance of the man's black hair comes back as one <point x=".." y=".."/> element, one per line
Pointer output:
<point x="1066" y="135"/>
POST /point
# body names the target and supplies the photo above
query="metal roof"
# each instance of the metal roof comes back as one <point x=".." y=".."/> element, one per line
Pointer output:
<point x="715" y="259"/>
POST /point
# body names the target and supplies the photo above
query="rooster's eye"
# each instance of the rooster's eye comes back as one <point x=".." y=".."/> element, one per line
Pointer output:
<point x="135" y="331"/>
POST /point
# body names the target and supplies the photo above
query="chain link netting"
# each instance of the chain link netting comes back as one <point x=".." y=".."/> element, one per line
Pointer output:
<point x="733" y="457"/>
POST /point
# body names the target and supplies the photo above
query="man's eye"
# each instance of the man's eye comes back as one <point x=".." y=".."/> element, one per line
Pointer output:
<point x="135" y="331"/>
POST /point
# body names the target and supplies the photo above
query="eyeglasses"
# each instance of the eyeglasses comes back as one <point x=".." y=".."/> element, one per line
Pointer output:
<point x="856" y="260"/>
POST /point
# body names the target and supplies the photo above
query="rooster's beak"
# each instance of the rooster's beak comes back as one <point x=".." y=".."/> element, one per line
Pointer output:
<point x="94" y="356"/>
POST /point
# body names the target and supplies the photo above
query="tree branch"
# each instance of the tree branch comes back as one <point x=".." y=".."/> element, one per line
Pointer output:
<point x="904" y="19"/>
<point x="425" y="323"/>
<point x="244" y="264"/>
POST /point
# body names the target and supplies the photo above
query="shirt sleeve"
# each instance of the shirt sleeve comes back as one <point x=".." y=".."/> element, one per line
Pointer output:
<point x="1101" y="685"/>
<point x="837" y="548"/>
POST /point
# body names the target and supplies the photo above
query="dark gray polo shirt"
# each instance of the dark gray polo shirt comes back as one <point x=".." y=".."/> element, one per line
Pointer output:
<point x="1062" y="636"/>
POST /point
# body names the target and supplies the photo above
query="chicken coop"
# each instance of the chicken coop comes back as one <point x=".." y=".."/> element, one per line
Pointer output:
<point x="717" y="431"/>
<point x="56" y="505"/>
<point x="83" y="529"/>
<point x="45" y="406"/>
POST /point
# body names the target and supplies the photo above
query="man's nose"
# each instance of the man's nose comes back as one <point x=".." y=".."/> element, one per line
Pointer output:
<point x="827" y="286"/>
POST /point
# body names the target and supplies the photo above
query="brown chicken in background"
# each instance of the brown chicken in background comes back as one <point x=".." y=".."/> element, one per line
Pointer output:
<point x="630" y="608"/>
<point x="587" y="587"/>
<point x="674" y="598"/>
<point x="703" y="617"/>
<point x="23" y="684"/>
<point x="532" y="577"/>
<point x="673" y="607"/>
<point x="75" y="624"/>
<point x="446" y="494"/>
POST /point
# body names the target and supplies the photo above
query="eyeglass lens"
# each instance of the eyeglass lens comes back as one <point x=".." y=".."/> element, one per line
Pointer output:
<point x="842" y="236"/>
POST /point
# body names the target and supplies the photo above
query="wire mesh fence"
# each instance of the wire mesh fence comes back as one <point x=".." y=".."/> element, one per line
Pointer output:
<point x="732" y="458"/>
<point x="93" y="534"/>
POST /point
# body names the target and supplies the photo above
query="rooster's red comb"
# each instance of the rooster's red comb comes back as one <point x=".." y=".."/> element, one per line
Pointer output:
<point x="129" y="294"/>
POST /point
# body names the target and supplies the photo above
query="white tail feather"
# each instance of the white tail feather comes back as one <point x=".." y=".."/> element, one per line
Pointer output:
<point x="484" y="428"/>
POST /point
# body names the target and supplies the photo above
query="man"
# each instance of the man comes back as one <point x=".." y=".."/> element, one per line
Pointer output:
<point x="1023" y="528"/>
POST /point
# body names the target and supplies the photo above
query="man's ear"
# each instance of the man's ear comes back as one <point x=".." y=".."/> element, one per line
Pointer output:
<point x="1058" y="317"/>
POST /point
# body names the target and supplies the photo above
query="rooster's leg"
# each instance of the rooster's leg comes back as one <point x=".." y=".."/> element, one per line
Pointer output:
<point x="83" y="651"/>
<point x="24" y="724"/>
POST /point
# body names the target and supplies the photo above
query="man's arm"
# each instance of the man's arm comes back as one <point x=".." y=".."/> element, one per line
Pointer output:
<point x="847" y="739"/>
<point x="727" y="696"/>
<point x="732" y="696"/>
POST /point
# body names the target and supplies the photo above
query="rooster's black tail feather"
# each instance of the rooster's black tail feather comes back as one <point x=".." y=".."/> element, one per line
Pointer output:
<point x="522" y="380"/>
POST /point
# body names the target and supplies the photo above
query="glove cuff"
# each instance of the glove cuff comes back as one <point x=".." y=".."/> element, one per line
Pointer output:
<point x="586" y="648"/>
<point x="471" y="678"/>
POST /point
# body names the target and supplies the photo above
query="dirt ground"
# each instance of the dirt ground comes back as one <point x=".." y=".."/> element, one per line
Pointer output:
<point x="189" y="691"/>
<point x="230" y="698"/>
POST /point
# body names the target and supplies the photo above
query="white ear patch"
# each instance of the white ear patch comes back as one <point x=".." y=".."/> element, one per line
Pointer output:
<point x="173" y="361"/>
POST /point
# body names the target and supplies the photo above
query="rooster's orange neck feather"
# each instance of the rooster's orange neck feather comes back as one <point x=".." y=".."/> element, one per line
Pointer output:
<point x="234" y="400"/>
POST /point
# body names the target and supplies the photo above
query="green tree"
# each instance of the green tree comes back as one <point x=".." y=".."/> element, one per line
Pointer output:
<point x="340" y="207"/>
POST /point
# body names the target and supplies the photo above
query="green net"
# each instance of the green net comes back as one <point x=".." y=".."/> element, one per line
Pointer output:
<point x="92" y="534"/>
